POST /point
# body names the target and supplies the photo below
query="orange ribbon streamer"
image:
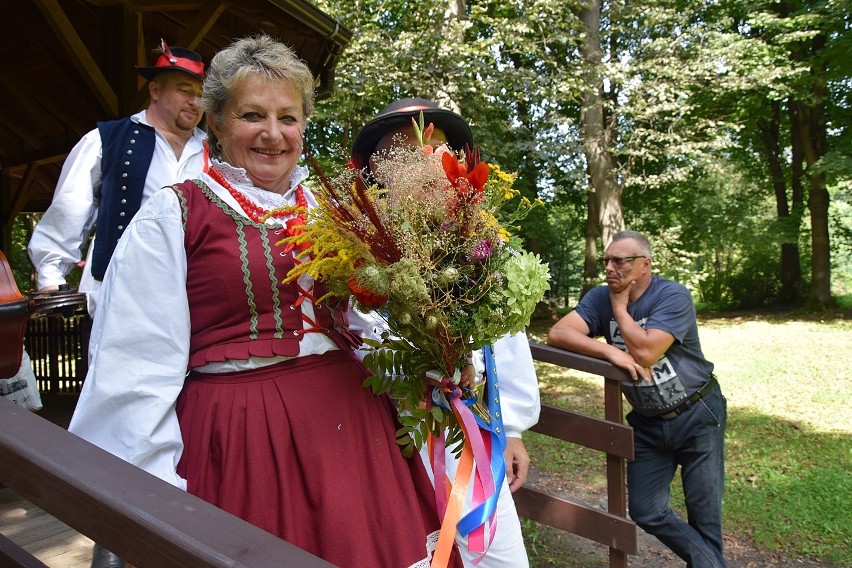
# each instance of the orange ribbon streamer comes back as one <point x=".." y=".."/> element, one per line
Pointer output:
<point x="447" y="538"/>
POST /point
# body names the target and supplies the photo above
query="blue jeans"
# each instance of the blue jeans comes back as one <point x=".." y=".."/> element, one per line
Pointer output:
<point x="695" y="440"/>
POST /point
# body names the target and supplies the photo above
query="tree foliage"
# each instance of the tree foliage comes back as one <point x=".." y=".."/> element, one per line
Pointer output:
<point x="726" y="124"/>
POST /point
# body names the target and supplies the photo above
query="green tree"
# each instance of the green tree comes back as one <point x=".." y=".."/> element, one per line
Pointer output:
<point x="660" y="104"/>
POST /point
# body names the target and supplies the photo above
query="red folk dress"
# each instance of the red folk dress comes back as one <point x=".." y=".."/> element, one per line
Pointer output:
<point x="298" y="448"/>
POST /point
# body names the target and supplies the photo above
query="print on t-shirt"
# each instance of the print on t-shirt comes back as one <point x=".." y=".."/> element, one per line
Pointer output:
<point x="662" y="392"/>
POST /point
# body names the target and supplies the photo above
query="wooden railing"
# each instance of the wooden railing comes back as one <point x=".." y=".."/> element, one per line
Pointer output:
<point x="151" y="523"/>
<point x="143" y="519"/>
<point x="610" y="528"/>
<point x="58" y="349"/>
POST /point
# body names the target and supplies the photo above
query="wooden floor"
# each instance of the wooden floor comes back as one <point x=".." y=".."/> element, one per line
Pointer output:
<point x="43" y="536"/>
<point x="48" y="539"/>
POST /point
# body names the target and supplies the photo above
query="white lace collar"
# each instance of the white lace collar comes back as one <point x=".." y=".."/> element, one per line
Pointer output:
<point x="239" y="180"/>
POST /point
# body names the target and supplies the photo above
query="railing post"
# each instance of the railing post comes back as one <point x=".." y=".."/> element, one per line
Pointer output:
<point x="611" y="436"/>
<point x="616" y="476"/>
<point x="52" y="349"/>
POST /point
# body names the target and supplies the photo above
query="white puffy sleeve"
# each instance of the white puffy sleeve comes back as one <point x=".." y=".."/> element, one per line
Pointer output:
<point x="519" y="393"/>
<point x="140" y="345"/>
<point x="368" y="325"/>
<point x="58" y="238"/>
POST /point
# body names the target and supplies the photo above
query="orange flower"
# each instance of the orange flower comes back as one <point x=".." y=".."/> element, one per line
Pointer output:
<point x="365" y="296"/>
<point x="469" y="185"/>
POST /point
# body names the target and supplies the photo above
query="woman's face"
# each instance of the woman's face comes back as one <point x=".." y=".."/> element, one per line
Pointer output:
<point x="261" y="131"/>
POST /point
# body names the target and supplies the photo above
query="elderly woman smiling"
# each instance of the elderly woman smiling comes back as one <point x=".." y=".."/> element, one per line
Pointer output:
<point x="210" y="373"/>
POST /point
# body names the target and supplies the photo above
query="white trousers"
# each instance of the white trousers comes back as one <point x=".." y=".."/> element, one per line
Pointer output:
<point x="508" y="549"/>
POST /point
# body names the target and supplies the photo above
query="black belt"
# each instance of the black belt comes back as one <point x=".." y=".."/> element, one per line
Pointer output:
<point x="687" y="404"/>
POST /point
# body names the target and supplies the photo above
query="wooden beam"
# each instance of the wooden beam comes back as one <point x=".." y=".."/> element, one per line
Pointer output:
<point x="23" y="96"/>
<point x="316" y="19"/>
<point x="143" y="519"/>
<point x="80" y="56"/>
<point x="39" y="156"/>
<point x="152" y="5"/>
<point x="602" y="435"/>
<point x="201" y="25"/>
<point x="610" y="530"/>
<point x="141" y="61"/>
<point x="30" y="138"/>
<point x="21" y="195"/>
<point x="16" y="556"/>
<point x="602" y="367"/>
<point x="140" y="98"/>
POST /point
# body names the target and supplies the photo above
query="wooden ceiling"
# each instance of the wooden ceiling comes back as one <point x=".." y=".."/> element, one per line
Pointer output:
<point x="64" y="65"/>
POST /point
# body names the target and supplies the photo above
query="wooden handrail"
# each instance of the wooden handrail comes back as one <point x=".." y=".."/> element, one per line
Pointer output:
<point x="143" y="519"/>
<point x="569" y="360"/>
<point x="150" y="523"/>
<point x="611" y="528"/>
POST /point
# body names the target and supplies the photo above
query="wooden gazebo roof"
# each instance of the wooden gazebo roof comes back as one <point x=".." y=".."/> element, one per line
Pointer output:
<point x="64" y="65"/>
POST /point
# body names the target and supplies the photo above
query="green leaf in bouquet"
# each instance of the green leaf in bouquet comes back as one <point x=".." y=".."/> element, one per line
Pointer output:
<point x="407" y="445"/>
<point x="455" y="439"/>
<point x="409" y="421"/>
<point x="418" y="438"/>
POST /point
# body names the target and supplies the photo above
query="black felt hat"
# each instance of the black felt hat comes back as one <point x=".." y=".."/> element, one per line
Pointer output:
<point x="175" y="59"/>
<point x="399" y="114"/>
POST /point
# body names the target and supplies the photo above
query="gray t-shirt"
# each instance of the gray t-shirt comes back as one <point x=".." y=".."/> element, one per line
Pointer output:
<point x="667" y="306"/>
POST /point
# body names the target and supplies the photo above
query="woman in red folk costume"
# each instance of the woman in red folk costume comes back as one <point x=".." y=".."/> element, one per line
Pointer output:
<point x="271" y="422"/>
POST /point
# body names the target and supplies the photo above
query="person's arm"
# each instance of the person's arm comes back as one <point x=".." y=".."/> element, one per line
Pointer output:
<point x="520" y="402"/>
<point x="57" y="241"/>
<point x="140" y="345"/>
<point x="645" y="345"/>
<point x="517" y="462"/>
<point x="572" y="334"/>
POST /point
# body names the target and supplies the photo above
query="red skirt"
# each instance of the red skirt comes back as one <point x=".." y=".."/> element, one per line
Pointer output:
<point x="303" y="451"/>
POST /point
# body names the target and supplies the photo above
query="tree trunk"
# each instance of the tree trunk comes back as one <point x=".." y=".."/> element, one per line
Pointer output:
<point x="818" y="200"/>
<point x="590" y="260"/>
<point x="605" y="191"/>
<point x="814" y="139"/>
<point x="790" y="272"/>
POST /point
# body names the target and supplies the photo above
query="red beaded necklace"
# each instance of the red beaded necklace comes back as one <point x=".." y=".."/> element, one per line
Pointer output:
<point x="298" y="213"/>
<point x="259" y="214"/>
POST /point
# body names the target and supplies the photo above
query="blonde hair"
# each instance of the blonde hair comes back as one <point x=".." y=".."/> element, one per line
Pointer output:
<point x="257" y="55"/>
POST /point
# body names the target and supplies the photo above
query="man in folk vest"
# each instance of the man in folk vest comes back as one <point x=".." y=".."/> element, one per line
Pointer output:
<point x="109" y="174"/>
<point x="117" y="166"/>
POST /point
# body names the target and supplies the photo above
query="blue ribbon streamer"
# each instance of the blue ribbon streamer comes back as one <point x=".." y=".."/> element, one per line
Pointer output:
<point x="480" y="514"/>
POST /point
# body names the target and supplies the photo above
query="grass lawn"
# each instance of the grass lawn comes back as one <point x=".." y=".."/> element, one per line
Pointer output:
<point x="789" y="437"/>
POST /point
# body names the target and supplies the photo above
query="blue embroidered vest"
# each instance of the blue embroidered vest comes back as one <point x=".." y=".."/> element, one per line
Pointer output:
<point x="127" y="151"/>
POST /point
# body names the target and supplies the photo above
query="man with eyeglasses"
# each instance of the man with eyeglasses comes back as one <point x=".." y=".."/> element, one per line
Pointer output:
<point x="678" y="413"/>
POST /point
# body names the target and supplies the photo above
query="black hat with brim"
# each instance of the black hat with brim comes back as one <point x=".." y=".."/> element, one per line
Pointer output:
<point x="399" y="114"/>
<point x="176" y="59"/>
